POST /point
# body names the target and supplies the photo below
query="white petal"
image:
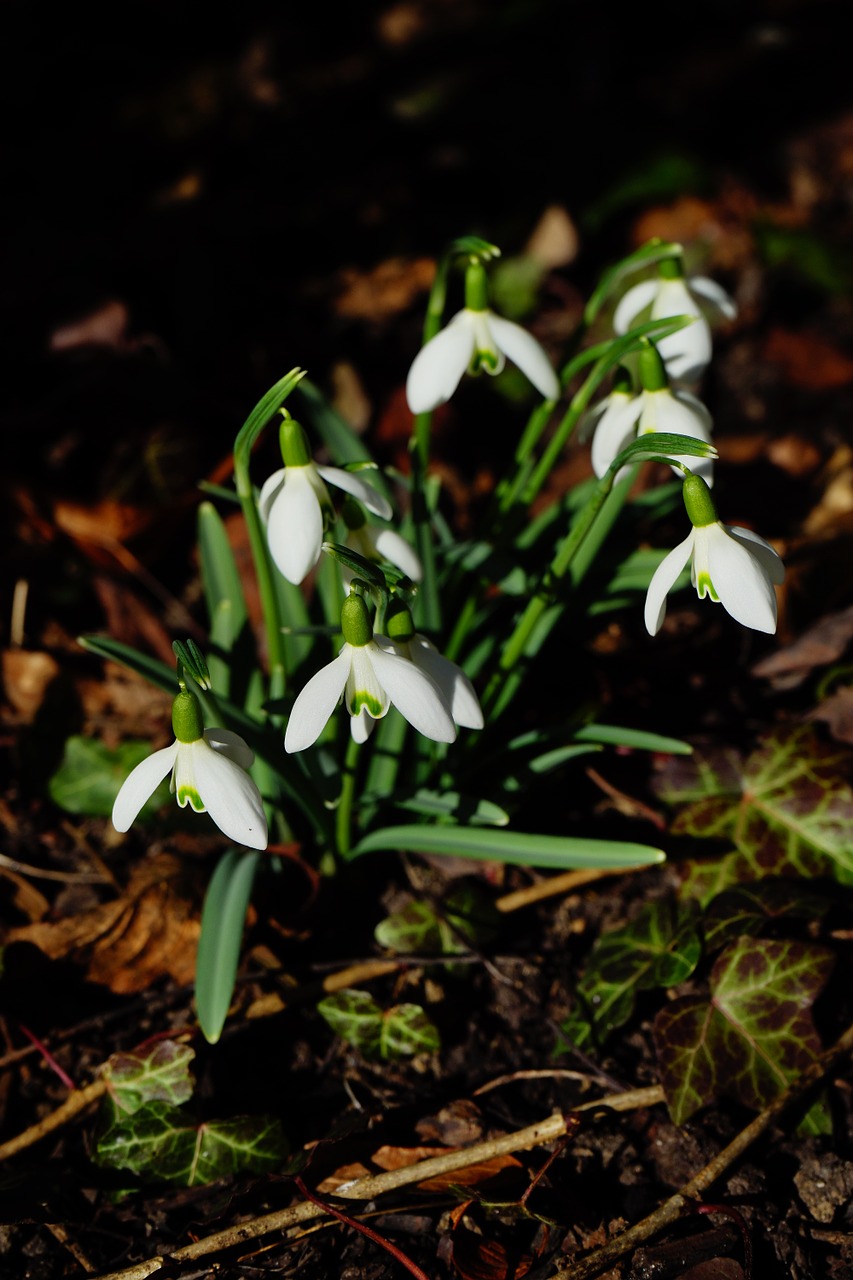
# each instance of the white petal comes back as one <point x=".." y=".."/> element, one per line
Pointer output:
<point x="686" y="353"/>
<point x="230" y="796"/>
<point x="390" y="546"/>
<point x="351" y="482"/>
<point x="269" y="492"/>
<point x="638" y="297"/>
<point x="662" y="583"/>
<point x="710" y="291"/>
<point x="457" y="689"/>
<point x="361" y="726"/>
<point x="523" y="350"/>
<point x="589" y="419"/>
<point x="615" y="430"/>
<point x="364" y="686"/>
<point x="767" y="555"/>
<point x="680" y="414"/>
<point x="295" y="526"/>
<point x="140" y="784"/>
<point x="230" y="745"/>
<point x="438" y="367"/>
<point x="316" y="703"/>
<point x="413" y="693"/>
<point x="741" y="581"/>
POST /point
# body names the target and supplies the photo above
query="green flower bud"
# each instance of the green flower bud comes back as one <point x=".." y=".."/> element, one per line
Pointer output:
<point x="187" y="721"/>
<point x="354" y="517"/>
<point x="671" y="268"/>
<point x="355" y="622"/>
<point x="652" y="369"/>
<point x="698" y="502"/>
<point x="398" y="621"/>
<point x="476" y="287"/>
<point x="294" y="444"/>
<point x="623" y="383"/>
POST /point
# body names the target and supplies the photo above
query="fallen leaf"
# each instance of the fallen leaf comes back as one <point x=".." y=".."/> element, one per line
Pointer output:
<point x="837" y="712"/>
<point x="385" y="290"/>
<point x="26" y="676"/>
<point x="808" y="361"/>
<point x="469" y="1176"/>
<point x="821" y="644"/>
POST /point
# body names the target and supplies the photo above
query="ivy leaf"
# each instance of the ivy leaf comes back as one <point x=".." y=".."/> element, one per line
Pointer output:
<point x="752" y="1036"/>
<point x="467" y="918"/>
<point x="415" y="928"/>
<point x="748" y="909"/>
<point x="660" y="948"/>
<point x="158" y="1142"/>
<point x="159" y="1072"/>
<point x="788" y="808"/>
<point x="90" y="775"/>
<point x="357" y="1018"/>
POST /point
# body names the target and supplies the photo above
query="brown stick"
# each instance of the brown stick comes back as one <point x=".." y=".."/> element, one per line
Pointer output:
<point x="610" y="1253"/>
<point x="76" y="1102"/>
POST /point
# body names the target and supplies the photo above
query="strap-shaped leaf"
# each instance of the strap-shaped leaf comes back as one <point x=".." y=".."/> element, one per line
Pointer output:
<point x="525" y="848"/>
<point x="222" y="921"/>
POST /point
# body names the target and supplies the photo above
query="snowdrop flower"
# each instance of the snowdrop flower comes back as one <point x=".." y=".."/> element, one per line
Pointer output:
<point x="208" y="768"/>
<point x="731" y="565"/>
<point x="371" y="676"/>
<point x="686" y="353"/>
<point x="475" y="339"/>
<point x="655" y="408"/>
<point x="295" y="504"/>
<point x="455" y="686"/>
<point x="378" y="544"/>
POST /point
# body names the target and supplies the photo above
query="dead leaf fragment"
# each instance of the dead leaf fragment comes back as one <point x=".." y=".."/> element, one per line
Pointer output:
<point x="26" y="676"/>
<point x="821" y="644"/>
<point x="837" y="713"/>
<point x="808" y="361"/>
<point x="385" y="290"/>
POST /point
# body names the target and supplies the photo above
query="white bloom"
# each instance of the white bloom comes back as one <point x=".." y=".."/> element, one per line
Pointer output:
<point x="624" y="418"/>
<point x="208" y="774"/>
<point x="455" y="686"/>
<point x="295" y="503"/>
<point x="733" y="566"/>
<point x="686" y="353"/>
<point x="371" y="677"/>
<point x="384" y="544"/>
<point x="475" y="340"/>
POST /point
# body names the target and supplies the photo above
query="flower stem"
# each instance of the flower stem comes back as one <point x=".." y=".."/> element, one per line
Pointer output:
<point x="343" y="828"/>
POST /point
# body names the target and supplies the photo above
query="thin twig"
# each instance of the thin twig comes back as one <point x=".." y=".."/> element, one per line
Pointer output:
<point x="76" y="1102"/>
<point x="558" y="884"/>
<point x="605" y="1257"/>
<point x="368" y="1188"/>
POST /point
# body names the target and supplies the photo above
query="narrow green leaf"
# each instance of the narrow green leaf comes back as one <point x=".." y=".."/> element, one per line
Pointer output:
<point x="222" y="922"/>
<point x="153" y="670"/>
<point x="469" y="809"/>
<point x="223" y="592"/>
<point x="652" y="251"/>
<point x="638" y="739"/>
<point x="559" y="852"/>
<point x="159" y="1072"/>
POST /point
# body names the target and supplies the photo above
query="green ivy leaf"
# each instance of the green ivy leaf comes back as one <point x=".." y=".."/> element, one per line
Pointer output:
<point x="752" y="1036"/>
<point x="415" y="928"/>
<point x="788" y="808"/>
<point x="160" y="1072"/>
<point x="90" y="775"/>
<point x="467" y="918"/>
<point x="660" y="948"/>
<point x="160" y="1143"/>
<point x="748" y="910"/>
<point x="376" y="1033"/>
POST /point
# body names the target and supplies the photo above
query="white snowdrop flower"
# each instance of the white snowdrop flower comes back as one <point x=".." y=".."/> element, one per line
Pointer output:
<point x="475" y="339"/>
<point x="457" y="689"/>
<point x="656" y="407"/>
<point x="378" y="544"/>
<point x="208" y="768"/>
<point x="733" y="566"/>
<point x="686" y="353"/>
<point x="371" y="676"/>
<point x="294" y="504"/>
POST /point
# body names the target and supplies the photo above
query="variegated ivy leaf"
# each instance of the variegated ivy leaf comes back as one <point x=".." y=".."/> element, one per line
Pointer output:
<point x="751" y="1036"/>
<point x="751" y="909"/>
<point x="787" y="808"/>
<point x="660" y="948"/>
<point x="158" y="1072"/>
<point x="466" y="918"/>
<point x="378" y="1033"/>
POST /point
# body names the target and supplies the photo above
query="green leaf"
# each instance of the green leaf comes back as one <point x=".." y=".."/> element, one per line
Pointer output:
<point x="661" y="446"/>
<point x="414" y="929"/>
<point x="160" y="1143"/>
<point x="159" y="1072"/>
<point x="223" y="593"/>
<point x="480" y="813"/>
<point x="748" y="910"/>
<point x="660" y="948"/>
<point x="652" y="251"/>
<point x="152" y="669"/>
<point x="407" y="1030"/>
<point x="788" y="808"/>
<point x="558" y="852"/>
<point x="354" y="1016"/>
<point x="466" y="918"/>
<point x="222" y="921"/>
<point x="640" y="740"/>
<point x="752" y="1036"/>
<point x="90" y="775"/>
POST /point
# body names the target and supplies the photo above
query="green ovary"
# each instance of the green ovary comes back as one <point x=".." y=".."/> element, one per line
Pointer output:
<point x="362" y="698"/>
<point x="189" y="796"/>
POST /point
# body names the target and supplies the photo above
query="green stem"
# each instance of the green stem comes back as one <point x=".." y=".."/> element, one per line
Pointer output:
<point x="344" y="813"/>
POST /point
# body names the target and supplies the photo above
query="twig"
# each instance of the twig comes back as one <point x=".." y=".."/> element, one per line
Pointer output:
<point x="558" y="884"/>
<point x="76" y="1102"/>
<point x="368" y="1188"/>
<point x="605" y="1257"/>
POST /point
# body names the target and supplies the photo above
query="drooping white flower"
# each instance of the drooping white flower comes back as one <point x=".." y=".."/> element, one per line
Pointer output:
<point x="475" y="339"/>
<point x="458" y="691"/>
<point x="733" y="566"/>
<point x="208" y="768"/>
<point x="378" y="544"/>
<point x="371" y="676"/>
<point x="686" y="353"/>
<point x="294" y="504"/>
<point x="656" y="407"/>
